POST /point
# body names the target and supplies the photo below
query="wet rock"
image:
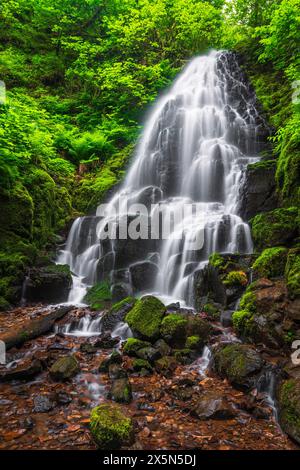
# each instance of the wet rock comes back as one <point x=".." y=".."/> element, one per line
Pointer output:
<point x="149" y="354"/>
<point x="174" y="329"/>
<point x="182" y="392"/>
<point x="121" y="390"/>
<point x="142" y="366"/>
<point x="49" y="284"/>
<point x="62" y="398"/>
<point x="163" y="348"/>
<point x="211" y="405"/>
<point x="258" y="191"/>
<point x="43" y="404"/>
<point x="120" y="291"/>
<point x="114" y="358"/>
<point x="117" y="313"/>
<point x="289" y="408"/>
<point x="133" y="345"/>
<point x="88" y="348"/>
<point x="239" y="363"/>
<point x="116" y="371"/>
<point x="24" y="371"/>
<point x="110" y="427"/>
<point x="106" y="342"/>
<point x="143" y="275"/>
<point x="64" y="368"/>
<point x="226" y="318"/>
<point x="166" y="366"/>
<point x="27" y="423"/>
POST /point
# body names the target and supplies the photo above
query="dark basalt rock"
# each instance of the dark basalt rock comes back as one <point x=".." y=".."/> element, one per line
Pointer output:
<point x="24" y="371"/>
<point x="64" y="368"/>
<point x="212" y="405"/>
<point x="289" y="408"/>
<point x="258" y="191"/>
<point x="106" y="342"/>
<point x="121" y="390"/>
<point x="43" y="404"/>
<point x="143" y="275"/>
<point x="49" y="284"/>
<point x="117" y="313"/>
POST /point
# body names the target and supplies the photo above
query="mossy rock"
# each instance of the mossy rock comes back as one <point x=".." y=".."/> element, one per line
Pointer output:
<point x="194" y="342"/>
<point x="50" y="283"/>
<point x="275" y="228"/>
<point x="199" y="327"/>
<point x="139" y="364"/>
<point x="271" y="263"/>
<point x="121" y="390"/>
<point x="289" y="408"/>
<point x="292" y="272"/>
<point x="133" y="345"/>
<point x="98" y="295"/>
<point x="239" y="363"/>
<point x="166" y="365"/>
<point x="145" y="318"/>
<point x="212" y="311"/>
<point x="110" y="427"/>
<point x="174" y="329"/>
<point x="236" y="279"/>
<point x="64" y="368"/>
<point x="114" y="358"/>
<point x="184" y="356"/>
<point x="243" y="319"/>
<point x="117" y="313"/>
<point x="217" y="261"/>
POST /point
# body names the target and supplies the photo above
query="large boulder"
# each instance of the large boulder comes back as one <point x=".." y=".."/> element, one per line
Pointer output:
<point x="289" y="408"/>
<point x="110" y="427"/>
<point x="143" y="275"/>
<point x="26" y="370"/>
<point x="174" y="329"/>
<point x="239" y="363"/>
<point x="117" y="313"/>
<point x="121" y="390"/>
<point x="133" y="345"/>
<point x="49" y="284"/>
<point x="64" y="368"/>
<point x="212" y="405"/>
<point x="145" y="318"/>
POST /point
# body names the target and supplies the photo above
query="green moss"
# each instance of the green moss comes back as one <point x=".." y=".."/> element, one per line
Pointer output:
<point x="236" y="279"/>
<point x="4" y="305"/>
<point x="98" y="295"/>
<point x="271" y="263"/>
<point x="212" y="311"/>
<point x="289" y="407"/>
<point x="119" y="305"/>
<point x="193" y="342"/>
<point x="133" y="345"/>
<point x="243" y="318"/>
<point x="278" y="227"/>
<point x="109" y="427"/>
<point x="140" y="364"/>
<point x="173" y="328"/>
<point x="217" y="260"/>
<point x="183" y="356"/>
<point x="145" y="317"/>
<point x="292" y="272"/>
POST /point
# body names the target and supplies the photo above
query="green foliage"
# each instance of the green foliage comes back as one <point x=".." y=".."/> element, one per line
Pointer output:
<point x="271" y="263"/>
<point x="243" y="317"/>
<point x="292" y="272"/>
<point x="194" y="343"/>
<point x="236" y="279"/>
<point x="140" y="364"/>
<point x="146" y="316"/>
<point x="212" y="311"/>
<point x="217" y="260"/>
<point x="173" y="328"/>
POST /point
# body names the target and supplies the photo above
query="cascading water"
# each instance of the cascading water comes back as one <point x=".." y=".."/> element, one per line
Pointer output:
<point x="194" y="149"/>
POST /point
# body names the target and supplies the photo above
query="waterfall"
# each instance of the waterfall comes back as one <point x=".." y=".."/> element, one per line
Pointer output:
<point x="195" y="147"/>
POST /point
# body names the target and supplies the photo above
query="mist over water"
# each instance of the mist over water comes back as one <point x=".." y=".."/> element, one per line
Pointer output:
<point x="196" y="144"/>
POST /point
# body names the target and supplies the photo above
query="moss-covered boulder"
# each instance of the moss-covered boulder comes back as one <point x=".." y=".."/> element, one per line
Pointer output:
<point x="197" y="326"/>
<point x="145" y="318"/>
<point x="275" y="228"/>
<point x="133" y="345"/>
<point x="110" y="427"/>
<point x="271" y="263"/>
<point x="117" y="313"/>
<point x="212" y="311"/>
<point x="292" y="272"/>
<point x="174" y="329"/>
<point x="64" y="368"/>
<point x="98" y="296"/>
<point x="184" y="356"/>
<point x="239" y="363"/>
<point x="236" y="279"/>
<point x="121" y="390"/>
<point x="194" y="342"/>
<point x="289" y="408"/>
<point x="139" y="364"/>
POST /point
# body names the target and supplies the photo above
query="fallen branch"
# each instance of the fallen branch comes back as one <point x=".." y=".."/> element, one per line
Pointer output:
<point x="33" y="328"/>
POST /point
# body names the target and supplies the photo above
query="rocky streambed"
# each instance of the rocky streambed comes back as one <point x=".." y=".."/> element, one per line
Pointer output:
<point x="179" y="381"/>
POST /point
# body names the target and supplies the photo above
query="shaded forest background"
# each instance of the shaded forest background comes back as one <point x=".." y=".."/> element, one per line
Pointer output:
<point x="80" y="75"/>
